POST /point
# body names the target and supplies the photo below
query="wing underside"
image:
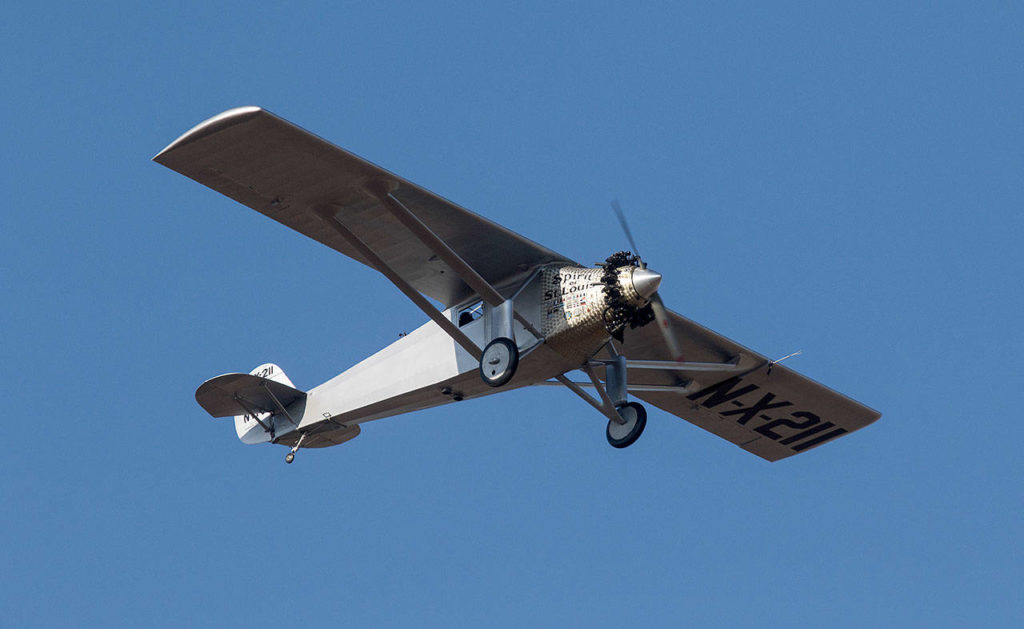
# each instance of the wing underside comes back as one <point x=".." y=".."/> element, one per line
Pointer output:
<point x="768" y="410"/>
<point x="289" y="174"/>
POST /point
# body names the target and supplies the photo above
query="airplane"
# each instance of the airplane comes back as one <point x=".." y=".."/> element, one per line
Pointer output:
<point x="515" y="314"/>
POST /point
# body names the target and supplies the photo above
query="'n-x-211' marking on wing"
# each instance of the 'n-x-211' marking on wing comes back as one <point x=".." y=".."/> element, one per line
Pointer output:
<point x="804" y="430"/>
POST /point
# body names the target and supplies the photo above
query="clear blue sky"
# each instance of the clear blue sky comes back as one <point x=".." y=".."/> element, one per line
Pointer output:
<point x="839" y="178"/>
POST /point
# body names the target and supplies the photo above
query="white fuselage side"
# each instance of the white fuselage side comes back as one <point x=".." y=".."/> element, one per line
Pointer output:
<point x="427" y="368"/>
<point x="423" y="369"/>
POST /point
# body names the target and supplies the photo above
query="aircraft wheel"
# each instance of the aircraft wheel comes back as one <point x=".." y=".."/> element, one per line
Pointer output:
<point x="623" y="435"/>
<point x="499" y="361"/>
<point x="289" y="457"/>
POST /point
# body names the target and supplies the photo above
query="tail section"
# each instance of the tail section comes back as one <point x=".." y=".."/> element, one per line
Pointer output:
<point x="248" y="429"/>
<point x="251" y="399"/>
<point x="267" y="408"/>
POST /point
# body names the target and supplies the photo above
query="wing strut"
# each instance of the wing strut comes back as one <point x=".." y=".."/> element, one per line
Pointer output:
<point x="278" y="404"/>
<point x="331" y="219"/>
<point x="612" y="393"/>
<point x="671" y="365"/>
<point x="632" y="388"/>
<point x="604" y="408"/>
<point x="255" y="415"/>
<point x="465" y="272"/>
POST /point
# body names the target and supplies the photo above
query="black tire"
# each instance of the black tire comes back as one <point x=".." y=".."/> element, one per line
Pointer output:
<point x="491" y="374"/>
<point x="623" y="435"/>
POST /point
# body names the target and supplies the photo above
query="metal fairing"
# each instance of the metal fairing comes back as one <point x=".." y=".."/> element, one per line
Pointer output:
<point x="572" y="301"/>
<point x="573" y="305"/>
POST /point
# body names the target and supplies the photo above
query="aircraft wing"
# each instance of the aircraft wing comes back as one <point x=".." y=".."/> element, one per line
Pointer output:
<point x="772" y="413"/>
<point x="286" y="173"/>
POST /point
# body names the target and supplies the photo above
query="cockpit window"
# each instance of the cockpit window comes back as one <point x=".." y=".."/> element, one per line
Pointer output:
<point x="471" y="313"/>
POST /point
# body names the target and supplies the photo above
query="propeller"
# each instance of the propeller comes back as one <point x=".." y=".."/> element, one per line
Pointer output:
<point x="629" y="235"/>
<point x="657" y="305"/>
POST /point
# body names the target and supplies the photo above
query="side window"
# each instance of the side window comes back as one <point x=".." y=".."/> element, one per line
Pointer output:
<point x="470" y="313"/>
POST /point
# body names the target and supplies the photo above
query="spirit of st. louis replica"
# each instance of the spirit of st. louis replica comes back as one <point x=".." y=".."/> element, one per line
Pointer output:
<point x="515" y="314"/>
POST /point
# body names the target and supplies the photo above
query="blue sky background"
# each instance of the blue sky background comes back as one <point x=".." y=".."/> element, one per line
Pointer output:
<point x="839" y="178"/>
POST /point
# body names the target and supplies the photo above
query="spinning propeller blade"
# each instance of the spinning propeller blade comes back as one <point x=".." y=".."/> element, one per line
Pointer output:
<point x="657" y="305"/>
<point x="625" y="227"/>
<point x="661" y="318"/>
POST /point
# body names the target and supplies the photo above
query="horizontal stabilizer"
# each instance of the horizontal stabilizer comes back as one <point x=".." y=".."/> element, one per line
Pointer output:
<point x="239" y="393"/>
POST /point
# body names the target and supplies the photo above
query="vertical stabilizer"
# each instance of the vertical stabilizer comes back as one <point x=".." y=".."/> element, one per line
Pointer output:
<point x="248" y="429"/>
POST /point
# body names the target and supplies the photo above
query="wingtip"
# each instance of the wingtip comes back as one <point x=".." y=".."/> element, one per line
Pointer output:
<point x="210" y="125"/>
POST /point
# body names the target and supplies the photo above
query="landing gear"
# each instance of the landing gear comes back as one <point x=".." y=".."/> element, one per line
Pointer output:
<point x="624" y="434"/>
<point x="295" y="448"/>
<point x="499" y="362"/>
<point x="626" y="420"/>
<point x="501" y="355"/>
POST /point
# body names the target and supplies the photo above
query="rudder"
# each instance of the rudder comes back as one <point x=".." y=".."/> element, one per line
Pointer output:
<point x="248" y="430"/>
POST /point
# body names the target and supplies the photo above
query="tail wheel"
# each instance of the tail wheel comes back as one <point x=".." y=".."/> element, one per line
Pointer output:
<point x="623" y="435"/>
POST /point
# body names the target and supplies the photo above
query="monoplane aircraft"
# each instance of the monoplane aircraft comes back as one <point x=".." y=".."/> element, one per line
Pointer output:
<point x="515" y="314"/>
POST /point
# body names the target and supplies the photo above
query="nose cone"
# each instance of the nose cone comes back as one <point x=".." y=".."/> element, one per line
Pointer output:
<point x="646" y="282"/>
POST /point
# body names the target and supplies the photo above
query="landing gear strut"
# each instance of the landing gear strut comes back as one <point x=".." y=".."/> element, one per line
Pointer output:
<point x="295" y="448"/>
<point x="501" y="356"/>
<point x="626" y="420"/>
